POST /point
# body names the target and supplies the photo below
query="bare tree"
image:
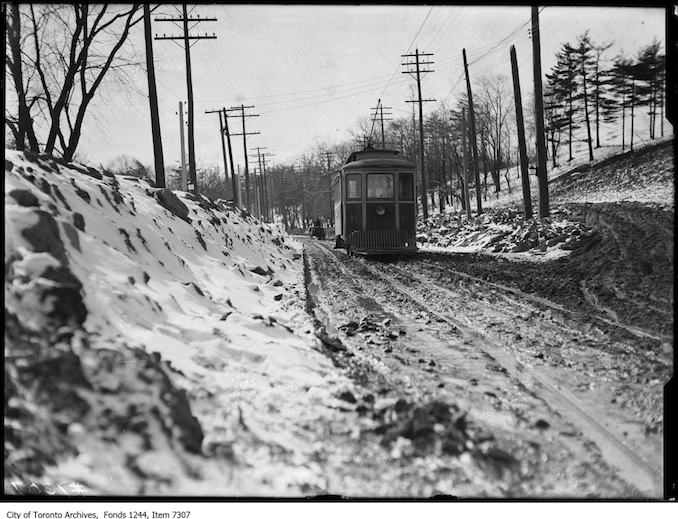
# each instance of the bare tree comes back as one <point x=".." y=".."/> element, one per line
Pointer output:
<point x="71" y="49"/>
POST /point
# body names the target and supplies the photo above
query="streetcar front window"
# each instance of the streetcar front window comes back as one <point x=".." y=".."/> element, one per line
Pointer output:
<point x="353" y="187"/>
<point x="405" y="186"/>
<point x="379" y="186"/>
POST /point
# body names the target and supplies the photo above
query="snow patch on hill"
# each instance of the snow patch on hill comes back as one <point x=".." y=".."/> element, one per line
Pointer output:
<point x="178" y="325"/>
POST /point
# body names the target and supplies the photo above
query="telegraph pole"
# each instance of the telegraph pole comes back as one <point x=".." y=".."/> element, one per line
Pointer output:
<point x="267" y="190"/>
<point x="474" y="144"/>
<point x="244" y="134"/>
<point x="539" y="117"/>
<point x="158" y="158"/>
<point x="467" y="199"/>
<point x="184" y="182"/>
<point x="186" y="37"/>
<point x="235" y="180"/>
<point x="328" y="157"/>
<point x="300" y="183"/>
<point x="223" y="144"/>
<point x="379" y="111"/>
<point x="416" y="74"/>
<point x="265" y="199"/>
<point x="522" y="147"/>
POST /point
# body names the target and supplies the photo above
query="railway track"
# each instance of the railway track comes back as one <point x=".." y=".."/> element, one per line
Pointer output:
<point x="641" y="469"/>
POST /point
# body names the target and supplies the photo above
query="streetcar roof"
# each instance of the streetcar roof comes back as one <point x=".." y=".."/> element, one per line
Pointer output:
<point x="371" y="158"/>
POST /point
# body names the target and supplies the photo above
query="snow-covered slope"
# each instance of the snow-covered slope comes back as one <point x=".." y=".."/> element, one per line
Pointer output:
<point x="156" y="340"/>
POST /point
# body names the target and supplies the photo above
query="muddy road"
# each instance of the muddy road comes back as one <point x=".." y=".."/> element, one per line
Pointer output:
<point x="472" y="388"/>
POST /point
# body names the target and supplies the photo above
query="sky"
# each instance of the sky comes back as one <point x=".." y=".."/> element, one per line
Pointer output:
<point x="313" y="71"/>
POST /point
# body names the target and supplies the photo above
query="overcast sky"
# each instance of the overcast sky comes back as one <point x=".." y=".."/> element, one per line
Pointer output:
<point x="313" y="71"/>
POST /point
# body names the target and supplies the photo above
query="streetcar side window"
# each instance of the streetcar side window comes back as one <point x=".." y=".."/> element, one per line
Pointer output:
<point x="354" y="187"/>
<point x="380" y="186"/>
<point x="405" y="186"/>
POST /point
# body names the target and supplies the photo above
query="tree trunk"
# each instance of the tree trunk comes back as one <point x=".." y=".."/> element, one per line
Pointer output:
<point x="25" y="124"/>
<point x="586" y="112"/>
<point x="624" y="116"/>
<point x="597" y="98"/>
<point x="633" y="103"/>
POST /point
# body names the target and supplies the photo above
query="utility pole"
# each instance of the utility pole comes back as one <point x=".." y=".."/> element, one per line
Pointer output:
<point x="184" y="186"/>
<point x="379" y="112"/>
<point x="268" y="193"/>
<point x="467" y="199"/>
<point x="522" y="147"/>
<point x="223" y="144"/>
<point x="363" y="141"/>
<point x="159" y="161"/>
<point x="416" y="74"/>
<point x="235" y="179"/>
<point x="300" y="183"/>
<point x="539" y="117"/>
<point x="244" y="134"/>
<point x="265" y="199"/>
<point x="474" y="144"/>
<point x="186" y="37"/>
<point x="261" y="203"/>
<point x="328" y="158"/>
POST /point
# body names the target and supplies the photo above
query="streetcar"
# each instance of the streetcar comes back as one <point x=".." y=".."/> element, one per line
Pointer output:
<point x="375" y="204"/>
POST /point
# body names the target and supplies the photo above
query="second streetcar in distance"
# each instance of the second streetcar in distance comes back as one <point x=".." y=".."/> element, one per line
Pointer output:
<point x="375" y="204"/>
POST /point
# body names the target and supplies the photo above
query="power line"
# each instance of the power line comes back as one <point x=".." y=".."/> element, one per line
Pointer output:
<point x="408" y="50"/>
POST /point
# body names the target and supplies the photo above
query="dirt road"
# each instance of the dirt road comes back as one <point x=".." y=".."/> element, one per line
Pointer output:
<point x="476" y="389"/>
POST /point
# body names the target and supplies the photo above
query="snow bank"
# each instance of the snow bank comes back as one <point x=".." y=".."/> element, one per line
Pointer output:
<point x="162" y="296"/>
<point x="505" y="233"/>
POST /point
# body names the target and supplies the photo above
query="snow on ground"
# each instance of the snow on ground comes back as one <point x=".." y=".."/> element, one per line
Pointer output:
<point x="199" y="298"/>
<point x="504" y="232"/>
<point x="645" y="176"/>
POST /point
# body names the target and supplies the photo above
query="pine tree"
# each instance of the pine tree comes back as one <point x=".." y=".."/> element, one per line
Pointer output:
<point x="562" y="86"/>
<point x="584" y="69"/>
<point x="621" y="75"/>
<point x="601" y="82"/>
<point x="649" y="74"/>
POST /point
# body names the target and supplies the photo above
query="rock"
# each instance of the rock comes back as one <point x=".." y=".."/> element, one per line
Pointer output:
<point x="259" y="270"/>
<point x="24" y="198"/>
<point x="68" y="306"/>
<point x="347" y="396"/>
<point x="171" y="202"/>
<point x="332" y="343"/>
<point x="542" y="424"/>
<point x="8" y="165"/>
<point x="44" y="236"/>
<point x="92" y="173"/>
<point x="200" y="239"/>
<point x="79" y="222"/>
<point x="277" y="297"/>
<point x="72" y="235"/>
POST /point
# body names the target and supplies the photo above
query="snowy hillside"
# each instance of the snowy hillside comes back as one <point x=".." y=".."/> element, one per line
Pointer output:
<point x="147" y="332"/>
